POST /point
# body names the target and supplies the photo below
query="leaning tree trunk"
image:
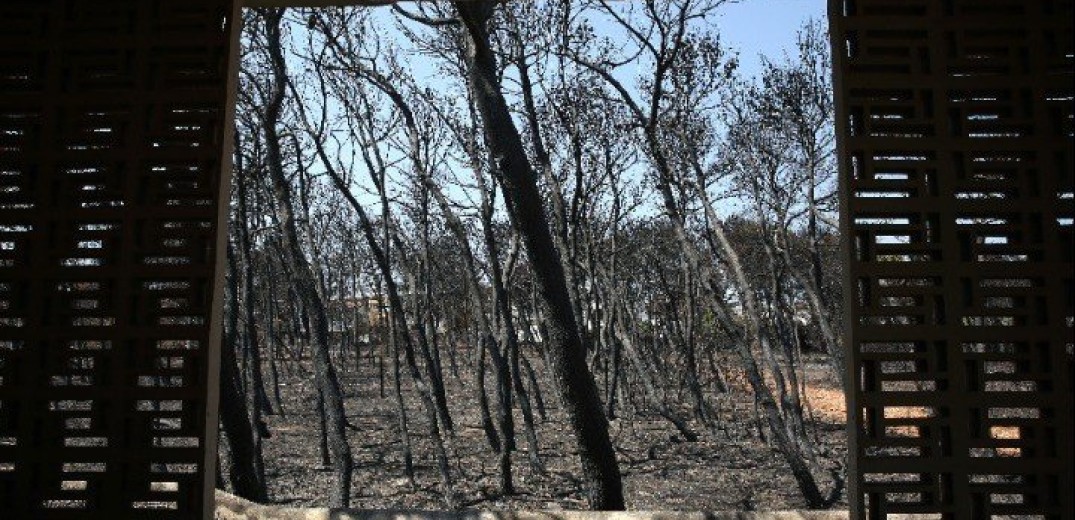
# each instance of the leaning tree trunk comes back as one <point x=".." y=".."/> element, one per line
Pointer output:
<point x="303" y="277"/>
<point x="425" y="330"/>
<point x="535" y="390"/>
<point x="401" y="408"/>
<point x="322" y="431"/>
<point x="582" y="402"/>
<point x="500" y="363"/>
<point x="274" y="353"/>
<point x="395" y="301"/>
<point x="647" y="375"/>
<point x="491" y="434"/>
<point x="246" y="471"/>
<point x="257" y="383"/>
<point x="802" y="465"/>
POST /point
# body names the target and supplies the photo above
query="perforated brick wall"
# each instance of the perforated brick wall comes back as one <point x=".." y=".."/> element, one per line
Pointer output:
<point x="112" y="123"/>
<point x="955" y="119"/>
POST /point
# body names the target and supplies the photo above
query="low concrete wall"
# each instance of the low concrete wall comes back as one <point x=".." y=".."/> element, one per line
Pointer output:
<point x="231" y="507"/>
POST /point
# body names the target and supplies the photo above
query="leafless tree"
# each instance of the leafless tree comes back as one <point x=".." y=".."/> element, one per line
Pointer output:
<point x="268" y="33"/>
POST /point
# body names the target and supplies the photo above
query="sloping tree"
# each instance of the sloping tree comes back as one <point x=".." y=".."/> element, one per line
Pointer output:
<point x="563" y="342"/>
<point x="267" y="36"/>
<point x="685" y="66"/>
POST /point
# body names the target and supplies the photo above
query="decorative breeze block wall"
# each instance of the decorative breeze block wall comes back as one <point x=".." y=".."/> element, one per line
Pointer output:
<point x="955" y="119"/>
<point x="112" y="122"/>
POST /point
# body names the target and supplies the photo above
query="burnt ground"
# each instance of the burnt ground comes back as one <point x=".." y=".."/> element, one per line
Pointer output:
<point x="729" y="469"/>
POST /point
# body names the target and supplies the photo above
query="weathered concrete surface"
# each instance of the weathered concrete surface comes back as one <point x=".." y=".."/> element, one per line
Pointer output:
<point x="231" y="507"/>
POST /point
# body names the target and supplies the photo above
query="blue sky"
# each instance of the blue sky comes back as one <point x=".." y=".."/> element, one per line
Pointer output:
<point x="768" y="27"/>
<point x="751" y="28"/>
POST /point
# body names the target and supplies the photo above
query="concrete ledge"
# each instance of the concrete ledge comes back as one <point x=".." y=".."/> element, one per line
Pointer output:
<point x="231" y="507"/>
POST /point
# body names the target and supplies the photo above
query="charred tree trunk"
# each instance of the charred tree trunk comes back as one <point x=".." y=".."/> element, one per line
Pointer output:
<point x="610" y="399"/>
<point x="303" y="277"/>
<point x="274" y="352"/>
<point x="322" y="430"/>
<point x="257" y="384"/>
<point x="398" y="313"/>
<point x="649" y="378"/>
<point x="582" y="402"/>
<point x="505" y="421"/>
<point x="401" y="409"/>
<point x="436" y="380"/>
<point x="427" y="331"/>
<point x="246" y="469"/>
<point x="535" y="390"/>
<point x="483" y="399"/>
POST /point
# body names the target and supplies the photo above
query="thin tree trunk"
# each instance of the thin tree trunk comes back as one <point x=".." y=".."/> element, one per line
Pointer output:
<point x="436" y="381"/>
<point x="610" y="399"/>
<point x="246" y="472"/>
<point x="380" y="360"/>
<point x="427" y="336"/>
<point x="304" y="281"/>
<point x="583" y="405"/>
<point x="649" y="378"/>
<point x="274" y="373"/>
<point x="261" y="399"/>
<point x="483" y="400"/>
<point x="401" y="409"/>
<point x="322" y="430"/>
<point x="502" y="309"/>
<point x="453" y="365"/>
<point x="701" y="407"/>
<point x="535" y="390"/>
<point x="398" y="311"/>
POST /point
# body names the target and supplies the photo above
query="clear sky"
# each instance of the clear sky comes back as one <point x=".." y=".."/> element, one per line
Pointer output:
<point x="768" y="27"/>
<point x="750" y="27"/>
